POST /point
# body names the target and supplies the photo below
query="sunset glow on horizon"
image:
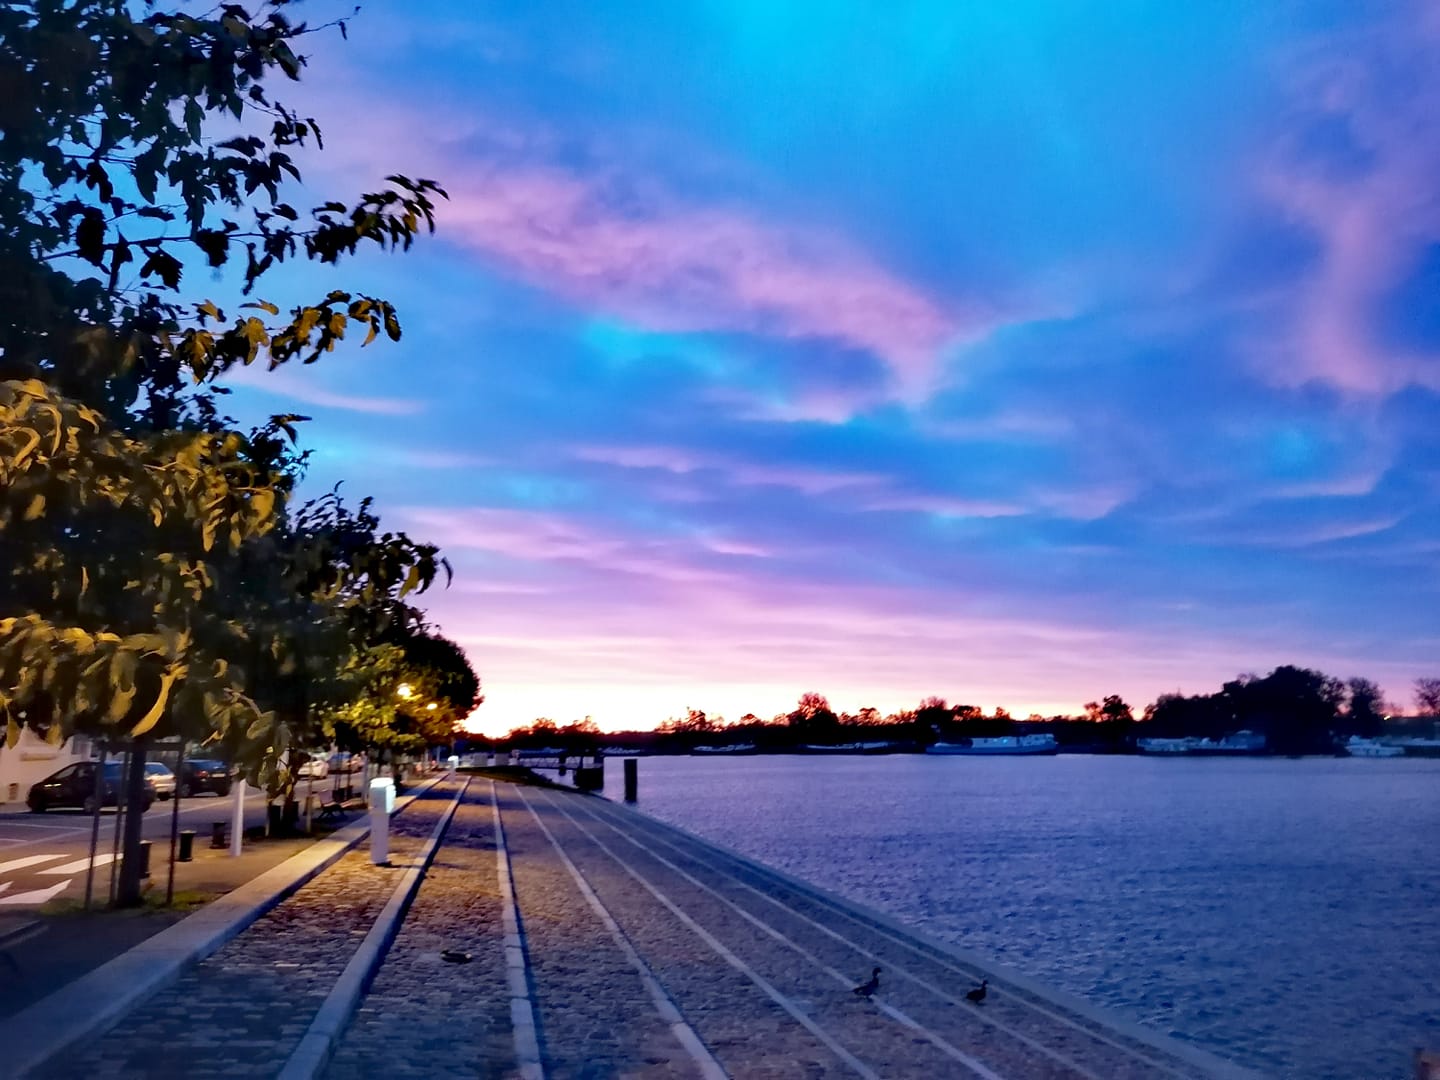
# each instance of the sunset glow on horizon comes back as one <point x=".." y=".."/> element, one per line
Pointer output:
<point x="1018" y="355"/>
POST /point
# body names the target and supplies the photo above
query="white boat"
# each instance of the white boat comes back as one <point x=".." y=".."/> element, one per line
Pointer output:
<point x="732" y="748"/>
<point x="1002" y="744"/>
<point x="1238" y="744"/>
<point x="1355" y="746"/>
<point x="849" y="748"/>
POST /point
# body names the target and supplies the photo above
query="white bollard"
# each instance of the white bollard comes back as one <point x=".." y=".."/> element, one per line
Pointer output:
<point x="237" y="816"/>
<point x="382" y="804"/>
<point x="454" y="763"/>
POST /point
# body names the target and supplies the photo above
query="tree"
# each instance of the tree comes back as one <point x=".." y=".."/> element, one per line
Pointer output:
<point x="1364" y="711"/>
<point x="1112" y="710"/>
<point x="812" y="717"/>
<point x="131" y="510"/>
<point x="1427" y="696"/>
<point x="1296" y="708"/>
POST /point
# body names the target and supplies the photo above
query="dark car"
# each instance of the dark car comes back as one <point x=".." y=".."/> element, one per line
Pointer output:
<point x="74" y="786"/>
<point x="202" y="775"/>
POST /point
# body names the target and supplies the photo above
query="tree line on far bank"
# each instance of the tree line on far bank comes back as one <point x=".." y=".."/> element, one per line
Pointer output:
<point x="1298" y="710"/>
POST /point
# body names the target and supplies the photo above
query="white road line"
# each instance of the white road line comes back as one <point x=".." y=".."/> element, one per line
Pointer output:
<point x="669" y="1011"/>
<point x="890" y="966"/>
<point x="28" y="860"/>
<point x="39" y="896"/>
<point x="78" y="866"/>
<point x="523" y="1020"/>
<point x="4" y="885"/>
<point x="942" y="1044"/>
<point x="734" y="961"/>
<point x="1019" y="999"/>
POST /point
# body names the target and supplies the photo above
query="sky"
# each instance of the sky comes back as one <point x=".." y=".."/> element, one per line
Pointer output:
<point x="1016" y="353"/>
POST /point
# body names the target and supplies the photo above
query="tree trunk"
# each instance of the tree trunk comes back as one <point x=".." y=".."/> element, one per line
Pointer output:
<point x="133" y="793"/>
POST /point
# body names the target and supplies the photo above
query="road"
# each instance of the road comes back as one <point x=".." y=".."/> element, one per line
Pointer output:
<point x="45" y="856"/>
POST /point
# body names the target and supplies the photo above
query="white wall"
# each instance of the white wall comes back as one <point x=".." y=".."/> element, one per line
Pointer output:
<point x="32" y="759"/>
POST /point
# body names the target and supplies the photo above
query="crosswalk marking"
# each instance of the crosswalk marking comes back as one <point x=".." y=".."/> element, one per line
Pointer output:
<point x="4" y="885"/>
<point x="78" y="866"/>
<point x="37" y="896"/>
<point x="28" y="860"/>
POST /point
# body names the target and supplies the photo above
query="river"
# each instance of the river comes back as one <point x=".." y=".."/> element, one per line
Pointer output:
<point x="1282" y="913"/>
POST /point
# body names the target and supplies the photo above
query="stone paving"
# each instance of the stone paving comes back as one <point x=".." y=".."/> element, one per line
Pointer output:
<point x="702" y="964"/>
<point x="424" y="1017"/>
<point x="241" y="1011"/>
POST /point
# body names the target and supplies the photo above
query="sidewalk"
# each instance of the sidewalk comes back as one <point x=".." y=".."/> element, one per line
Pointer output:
<point x="242" y="1010"/>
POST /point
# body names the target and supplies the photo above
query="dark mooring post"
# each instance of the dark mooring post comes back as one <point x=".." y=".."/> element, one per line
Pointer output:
<point x="632" y="779"/>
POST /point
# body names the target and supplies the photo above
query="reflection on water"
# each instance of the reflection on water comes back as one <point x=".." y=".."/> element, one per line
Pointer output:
<point x="1280" y="912"/>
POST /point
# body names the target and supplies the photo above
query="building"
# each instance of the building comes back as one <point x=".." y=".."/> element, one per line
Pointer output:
<point x="32" y="759"/>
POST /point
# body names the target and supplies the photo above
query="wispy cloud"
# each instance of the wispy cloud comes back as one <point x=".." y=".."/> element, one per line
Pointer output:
<point x="310" y="390"/>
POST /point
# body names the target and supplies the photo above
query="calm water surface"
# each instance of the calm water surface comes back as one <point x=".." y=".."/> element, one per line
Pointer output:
<point x="1283" y="913"/>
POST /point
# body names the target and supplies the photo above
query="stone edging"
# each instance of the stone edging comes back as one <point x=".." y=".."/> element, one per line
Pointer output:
<point x="96" y="1001"/>
<point x="1216" y="1066"/>
<point x="312" y="1054"/>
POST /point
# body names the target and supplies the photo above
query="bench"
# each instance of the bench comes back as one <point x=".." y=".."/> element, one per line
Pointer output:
<point x="18" y="934"/>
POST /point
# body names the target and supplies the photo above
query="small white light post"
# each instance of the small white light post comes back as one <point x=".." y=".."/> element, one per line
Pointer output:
<point x="237" y="816"/>
<point x="382" y="804"/>
<point x="454" y="762"/>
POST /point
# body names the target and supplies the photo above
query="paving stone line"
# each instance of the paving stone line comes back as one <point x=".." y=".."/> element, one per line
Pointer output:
<point x="746" y="1031"/>
<point x="787" y="1002"/>
<point x="424" y="1017"/>
<point x="975" y="1066"/>
<point x="1044" y="1021"/>
<point x="888" y="1040"/>
<point x="931" y="1011"/>
<point x="685" y="1035"/>
<point x="524" y="1007"/>
<point x="316" y="1045"/>
<point x="594" y="1015"/>
<point x="242" y="1010"/>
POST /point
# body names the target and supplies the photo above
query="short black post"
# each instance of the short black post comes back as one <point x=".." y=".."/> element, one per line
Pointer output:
<point x="144" y="874"/>
<point x="217" y="835"/>
<point x="187" y="845"/>
<point x="632" y="779"/>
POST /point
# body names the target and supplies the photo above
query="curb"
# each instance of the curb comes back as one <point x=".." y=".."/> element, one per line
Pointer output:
<point x="312" y="1054"/>
<point x="96" y="1001"/>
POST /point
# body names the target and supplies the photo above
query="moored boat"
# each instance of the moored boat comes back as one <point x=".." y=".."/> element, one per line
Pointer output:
<point x="1012" y="745"/>
<point x="850" y="748"/>
<point x="732" y="748"/>
<point x="1355" y="746"/>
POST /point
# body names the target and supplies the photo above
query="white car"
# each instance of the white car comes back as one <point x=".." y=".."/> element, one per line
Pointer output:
<point x="315" y="768"/>
<point x="161" y="779"/>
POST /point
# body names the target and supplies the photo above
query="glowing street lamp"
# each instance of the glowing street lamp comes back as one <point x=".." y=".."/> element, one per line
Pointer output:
<point x="404" y="691"/>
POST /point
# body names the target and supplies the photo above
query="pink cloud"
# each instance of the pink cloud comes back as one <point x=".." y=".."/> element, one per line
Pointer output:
<point x="1372" y="220"/>
<point x="610" y="240"/>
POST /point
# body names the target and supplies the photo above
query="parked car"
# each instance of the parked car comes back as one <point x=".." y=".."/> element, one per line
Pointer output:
<point x="74" y="786"/>
<point x="314" y="768"/>
<point x="204" y="774"/>
<point x="346" y="763"/>
<point x="161" y="779"/>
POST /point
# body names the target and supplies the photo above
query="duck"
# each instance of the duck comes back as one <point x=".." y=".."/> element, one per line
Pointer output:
<point x="455" y="956"/>
<point x="977" y="995"/>
<point x="865" y="989"/>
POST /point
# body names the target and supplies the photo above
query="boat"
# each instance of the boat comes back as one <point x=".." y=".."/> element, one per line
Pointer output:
<point x="1012" y="745"/>
<point x="850" y="748"/>
<point x="1415" y="746"/>
<point x="732" y="748"/>
<point x="1240" y="744"/>
<point x="1355" y="746"/>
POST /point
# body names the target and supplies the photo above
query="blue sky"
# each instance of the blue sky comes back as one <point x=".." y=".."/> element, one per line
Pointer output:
<point x="1015" y="353"/>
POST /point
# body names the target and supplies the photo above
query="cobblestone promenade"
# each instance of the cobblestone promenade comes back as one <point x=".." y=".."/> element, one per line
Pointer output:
<point x="633" y="950"/>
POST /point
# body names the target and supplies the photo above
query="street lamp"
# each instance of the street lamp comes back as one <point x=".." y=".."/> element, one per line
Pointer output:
<point x="404" y="691"/>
